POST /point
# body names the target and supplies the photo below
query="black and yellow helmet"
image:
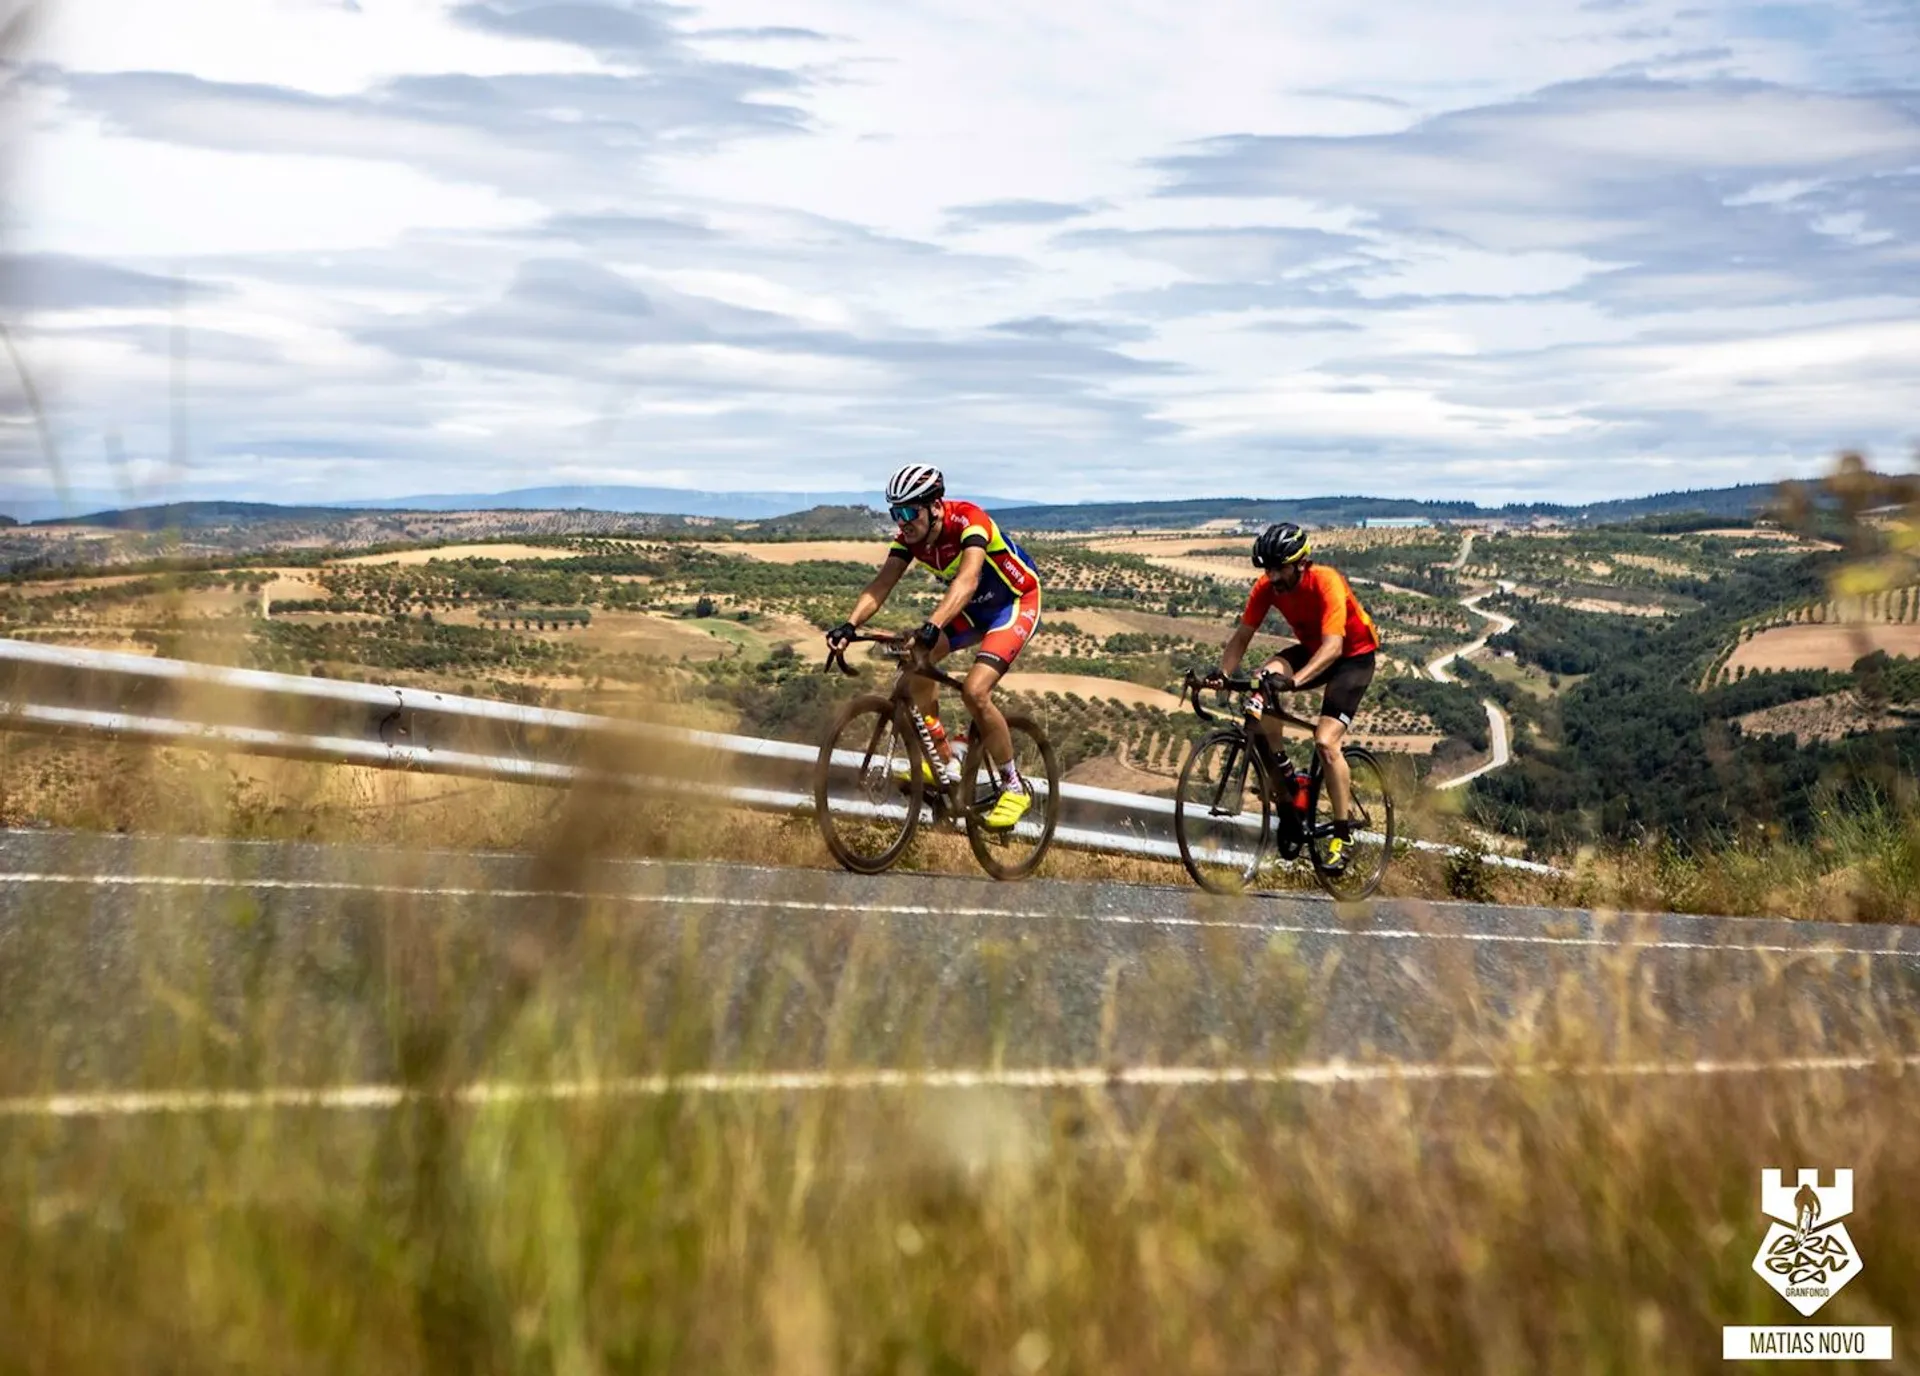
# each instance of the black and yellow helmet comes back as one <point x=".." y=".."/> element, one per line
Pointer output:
<point x="1279" y="545"/>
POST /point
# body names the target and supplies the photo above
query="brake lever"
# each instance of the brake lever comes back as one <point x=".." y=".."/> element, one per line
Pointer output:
<point x="1196" y="686"/>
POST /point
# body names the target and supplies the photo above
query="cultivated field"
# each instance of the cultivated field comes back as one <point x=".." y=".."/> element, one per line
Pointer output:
<point x="1822" y="646"/>
<point x="1831" y="717"/>
<point x="1091" y="686"/>
<point x="408" y="558"/>
<point x="804" y="551"/>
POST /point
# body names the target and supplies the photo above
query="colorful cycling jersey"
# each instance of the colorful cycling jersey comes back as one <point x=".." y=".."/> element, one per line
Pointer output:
<point x="1321" y="604"/>
<point x="1009" y="575"/>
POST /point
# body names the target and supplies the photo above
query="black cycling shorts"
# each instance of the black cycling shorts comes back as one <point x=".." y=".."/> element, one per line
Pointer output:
<point x="1346" y="682"/>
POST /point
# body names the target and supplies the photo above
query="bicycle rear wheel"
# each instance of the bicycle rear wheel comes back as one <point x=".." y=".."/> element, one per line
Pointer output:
<point x="1015" y="852"/>
<point x="1370" y="844"/>
<point x="1223" y="814"/>
<point x="867" y="785"/>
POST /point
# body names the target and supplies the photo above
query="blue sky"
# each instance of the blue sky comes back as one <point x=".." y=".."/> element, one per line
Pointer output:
<point x="1127" y="249"/>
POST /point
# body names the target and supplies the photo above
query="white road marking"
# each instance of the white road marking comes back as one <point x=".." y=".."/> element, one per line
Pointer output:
<point x="153" y="1103"/>
<point x="210" y="882"/>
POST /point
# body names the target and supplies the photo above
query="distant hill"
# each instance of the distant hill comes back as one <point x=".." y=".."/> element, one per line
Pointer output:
<point x="653" y="501"/>
<point x="820" y="523"/>
<point x="1748" y="499"/>
<point x="771" y="515"/>
<point x="1250" y="510"/>
<point x="200" y="516"/>
<point x="6" y="521"/>
<point x="1728" y="502"/>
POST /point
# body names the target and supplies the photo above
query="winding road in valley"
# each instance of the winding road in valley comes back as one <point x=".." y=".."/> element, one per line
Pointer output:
<point x="1497" y="733"/>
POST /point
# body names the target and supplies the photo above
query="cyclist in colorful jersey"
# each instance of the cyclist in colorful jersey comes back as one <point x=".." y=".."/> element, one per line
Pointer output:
<point x="1336" y="648"/>
<point x="992" y="606"/>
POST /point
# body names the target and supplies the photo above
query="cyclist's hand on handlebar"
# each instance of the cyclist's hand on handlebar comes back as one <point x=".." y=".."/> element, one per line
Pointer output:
<point x="842" y="635"/>
<point x="1214" y="677"/>
<point x="927" y="636"/>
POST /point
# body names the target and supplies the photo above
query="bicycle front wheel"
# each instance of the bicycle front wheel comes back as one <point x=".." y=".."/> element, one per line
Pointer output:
<point x="868" y="786"/>
<point x="1362" y="862"/>
<point x="1013" y="852"/>
<point x="1223" y="814"/>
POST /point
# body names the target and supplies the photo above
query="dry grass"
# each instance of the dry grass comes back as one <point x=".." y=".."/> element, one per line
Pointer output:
<point x="1527" y="1222"/>
<point x="1540" y="1220"/>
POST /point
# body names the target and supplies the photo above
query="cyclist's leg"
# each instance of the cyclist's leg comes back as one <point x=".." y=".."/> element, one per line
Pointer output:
<point x="1293" y="659"/>
<point x="1346" y="684"/>
<point x="926" y="693"/>
<point x="1000" y="645"/>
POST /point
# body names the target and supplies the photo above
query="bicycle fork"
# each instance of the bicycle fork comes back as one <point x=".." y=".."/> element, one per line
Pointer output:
<point x="1232" y="778"/>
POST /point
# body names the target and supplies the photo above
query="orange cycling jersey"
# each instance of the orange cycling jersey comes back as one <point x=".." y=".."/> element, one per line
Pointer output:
<point x="1321" y="604"/>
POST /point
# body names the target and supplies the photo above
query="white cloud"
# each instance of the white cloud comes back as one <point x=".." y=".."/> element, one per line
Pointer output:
<point x="1561" y="249"/>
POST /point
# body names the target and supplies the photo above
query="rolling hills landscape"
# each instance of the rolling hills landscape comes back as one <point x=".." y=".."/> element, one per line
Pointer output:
<point x="1703" y="656"/>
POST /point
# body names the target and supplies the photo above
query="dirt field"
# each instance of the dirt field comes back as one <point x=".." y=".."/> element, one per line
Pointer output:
<point x="289" y="586"/>
<point x="1829" y="718"/>
<point x="1822" y="647"/>
<point x="1643" y="561"/>
<point x="1151" y="545"/>
<point x="1107" y="771"/>
<point x="1203" y="628"/>
<point x="645" y="634"/>
<point x="1091" y="686"/>
<point x="805" y="551"/>
<point x="424" y="556"/>
<point x="47" y="589"/>
<point x="1607" y="608"/>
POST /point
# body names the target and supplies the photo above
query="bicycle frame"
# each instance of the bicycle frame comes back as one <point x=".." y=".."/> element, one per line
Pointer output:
<point x="1254" y="742"/>
<point x="914" y="664"/>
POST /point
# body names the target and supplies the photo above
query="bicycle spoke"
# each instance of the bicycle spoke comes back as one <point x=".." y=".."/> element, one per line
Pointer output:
<point x="1362" y="860"/>
<point x="1222" y="815"/>
<point x="866" y="799"/>
<point x="1016" y="851"/>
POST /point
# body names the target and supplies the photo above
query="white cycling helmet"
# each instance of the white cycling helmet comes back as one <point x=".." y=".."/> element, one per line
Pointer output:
<point x="916" y="483"/>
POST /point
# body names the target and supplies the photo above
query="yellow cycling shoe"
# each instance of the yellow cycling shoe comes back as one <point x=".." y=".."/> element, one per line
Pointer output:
<point x="927" y="776"/>
<point x="1012" y="806"/>
<point x="1336" y="860"/>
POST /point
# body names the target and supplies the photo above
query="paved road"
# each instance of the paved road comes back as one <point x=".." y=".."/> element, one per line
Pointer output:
<point x="1497" y="734"/>
<point x="141" y="964"/>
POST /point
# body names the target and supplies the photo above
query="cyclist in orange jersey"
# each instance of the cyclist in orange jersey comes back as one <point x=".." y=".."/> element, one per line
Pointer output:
<point x="1335" y="651"/>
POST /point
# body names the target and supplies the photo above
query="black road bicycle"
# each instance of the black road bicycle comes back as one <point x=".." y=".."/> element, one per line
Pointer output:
<point x="878" y="774"/>
<point x="1242" y="806"/>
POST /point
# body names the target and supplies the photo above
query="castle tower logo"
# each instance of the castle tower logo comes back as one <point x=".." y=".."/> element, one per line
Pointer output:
<point x="1807" y="1255"/>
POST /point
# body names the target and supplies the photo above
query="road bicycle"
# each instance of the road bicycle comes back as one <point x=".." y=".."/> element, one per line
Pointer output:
<point x="873" y="785"/>
<point x="1242" y="805"/>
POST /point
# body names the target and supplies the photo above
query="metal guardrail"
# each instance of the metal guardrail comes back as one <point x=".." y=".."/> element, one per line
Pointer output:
<point x="97" y="693"/>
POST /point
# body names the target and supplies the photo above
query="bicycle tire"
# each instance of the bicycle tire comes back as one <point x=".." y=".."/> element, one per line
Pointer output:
<point x="877" y="795"/>
<point x="1371" y="846"/>
<point x="1202" y="784"/>
<point x="993" y="848"/>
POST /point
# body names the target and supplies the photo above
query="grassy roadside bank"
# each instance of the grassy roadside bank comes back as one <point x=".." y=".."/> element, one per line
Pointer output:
<point x="1550" y="1210"/>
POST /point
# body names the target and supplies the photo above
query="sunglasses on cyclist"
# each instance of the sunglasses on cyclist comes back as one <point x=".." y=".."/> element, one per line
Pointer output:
<point x="903" y="515"/>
